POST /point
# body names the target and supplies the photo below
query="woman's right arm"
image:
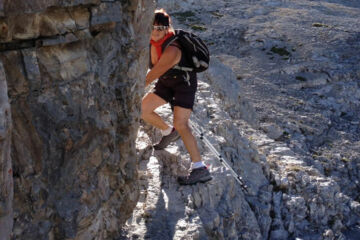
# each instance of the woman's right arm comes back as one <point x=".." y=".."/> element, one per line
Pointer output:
<point x="168" y="59"/>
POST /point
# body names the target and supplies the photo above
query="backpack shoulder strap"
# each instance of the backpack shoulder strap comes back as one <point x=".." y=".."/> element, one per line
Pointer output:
<point x="168" y="42"/>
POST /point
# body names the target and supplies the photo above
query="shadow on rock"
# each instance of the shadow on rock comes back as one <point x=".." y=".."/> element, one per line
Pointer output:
<point x="162" y="220"/>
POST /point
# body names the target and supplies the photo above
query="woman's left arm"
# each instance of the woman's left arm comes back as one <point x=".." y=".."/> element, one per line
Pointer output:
<point x="168" y="59"/>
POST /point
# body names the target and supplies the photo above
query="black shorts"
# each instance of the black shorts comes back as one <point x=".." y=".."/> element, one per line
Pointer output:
<point x="177" y="91"/>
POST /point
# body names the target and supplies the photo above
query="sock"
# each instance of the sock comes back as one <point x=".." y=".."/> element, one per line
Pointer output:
<point x="166" y="132"/>
<point x="198" y="165"/>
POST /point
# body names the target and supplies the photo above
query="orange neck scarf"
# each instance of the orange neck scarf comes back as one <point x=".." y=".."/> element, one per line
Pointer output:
<point x="158" y="44"/>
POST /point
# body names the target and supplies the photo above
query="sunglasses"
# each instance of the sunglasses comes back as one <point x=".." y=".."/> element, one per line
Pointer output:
<point x="159" y="28"/>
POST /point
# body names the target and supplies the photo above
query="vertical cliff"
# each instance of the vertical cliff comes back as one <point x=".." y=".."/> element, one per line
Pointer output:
<point x="6" y="180"/>
<point x="73" y="70"/>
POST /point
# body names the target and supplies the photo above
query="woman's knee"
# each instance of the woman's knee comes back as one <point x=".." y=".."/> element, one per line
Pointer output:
<point x="180" y="125"/>
<point x="149" y="103"/>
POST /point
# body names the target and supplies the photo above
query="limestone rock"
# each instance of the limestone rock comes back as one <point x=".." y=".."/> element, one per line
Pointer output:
<point x="15" y="7"/>
<point x="223" y="80"/>
<point x="52" y="22"/>
<point x="303" y="89"/>
<point x="74" y="87"/>
<point x="273" y="131"/>
<point x="73" y="70"/>
<point x="6" y="172"/>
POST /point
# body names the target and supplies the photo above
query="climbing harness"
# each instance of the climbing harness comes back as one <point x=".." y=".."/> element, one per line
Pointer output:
<point x="199" y="131"/>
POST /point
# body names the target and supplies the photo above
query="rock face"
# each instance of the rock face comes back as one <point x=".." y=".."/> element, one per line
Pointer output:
<point x="73" y="70"/>
<point x="280" y="101"/>
<point x="6" y="180"/>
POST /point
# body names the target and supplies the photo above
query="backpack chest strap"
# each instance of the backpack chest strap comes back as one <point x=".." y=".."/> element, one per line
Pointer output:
<point x="186" y="69"/>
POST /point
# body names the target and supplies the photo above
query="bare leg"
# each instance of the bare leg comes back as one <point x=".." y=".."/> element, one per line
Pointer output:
<point x="181" y="117"/>
<point x="149" y="103"/>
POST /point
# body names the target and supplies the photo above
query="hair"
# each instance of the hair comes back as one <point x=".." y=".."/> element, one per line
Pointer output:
<point x="162" y="18"/>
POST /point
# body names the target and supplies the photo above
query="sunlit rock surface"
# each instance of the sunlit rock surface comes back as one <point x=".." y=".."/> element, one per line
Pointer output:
<point x="280" y="101"/>
<point x="292" y="69"/>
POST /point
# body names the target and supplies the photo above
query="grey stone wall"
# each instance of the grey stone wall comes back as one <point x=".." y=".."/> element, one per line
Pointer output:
<point x="6" y="181"/>
<point x="74" y="73"/>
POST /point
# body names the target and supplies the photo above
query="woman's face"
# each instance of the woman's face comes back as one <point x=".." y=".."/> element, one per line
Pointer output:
<point x="158" y="32"/>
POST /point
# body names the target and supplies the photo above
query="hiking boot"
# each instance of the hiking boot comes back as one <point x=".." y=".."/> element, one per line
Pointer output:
<point x="166" y="140"/>
<point x="201" y="174"/>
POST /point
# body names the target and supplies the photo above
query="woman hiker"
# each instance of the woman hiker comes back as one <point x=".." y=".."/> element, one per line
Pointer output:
<point x="171" y="87"/>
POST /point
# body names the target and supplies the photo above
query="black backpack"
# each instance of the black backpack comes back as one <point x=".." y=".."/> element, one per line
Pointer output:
<point x="194" y="48"/>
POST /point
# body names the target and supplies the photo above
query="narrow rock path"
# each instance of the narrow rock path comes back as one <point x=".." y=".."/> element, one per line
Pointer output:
<point x="166" y="210"/>
<point x="286" y="197"/>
